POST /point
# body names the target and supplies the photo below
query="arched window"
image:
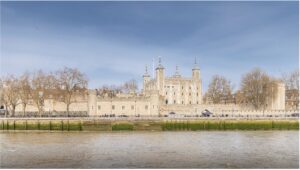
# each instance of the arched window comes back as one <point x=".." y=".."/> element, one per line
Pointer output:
<point x="166" y="101"/>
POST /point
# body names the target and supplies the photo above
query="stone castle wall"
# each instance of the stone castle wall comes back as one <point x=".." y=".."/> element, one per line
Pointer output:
<point x="161" y="96"/>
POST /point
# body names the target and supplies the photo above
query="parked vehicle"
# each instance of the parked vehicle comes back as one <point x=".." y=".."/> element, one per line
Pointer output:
<point x="206" y="113"/>
<point x="2" y="112"/>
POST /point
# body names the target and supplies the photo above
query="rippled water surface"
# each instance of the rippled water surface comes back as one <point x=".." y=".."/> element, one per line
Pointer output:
<point x="205" y="149"/>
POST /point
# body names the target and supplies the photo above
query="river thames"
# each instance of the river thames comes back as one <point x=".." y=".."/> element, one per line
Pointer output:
<point x="201" y="149"/>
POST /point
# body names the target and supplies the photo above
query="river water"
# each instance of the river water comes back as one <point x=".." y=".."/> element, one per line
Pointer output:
<point x="202" y="149"/>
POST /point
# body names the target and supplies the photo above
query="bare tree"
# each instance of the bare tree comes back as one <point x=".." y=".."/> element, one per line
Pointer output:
<point x="40" y="85"/>
<point x="239" y="98"/>
<point x="3" y="102"/>
<point x="256" y="88"/>
<point x="70" y="81"/>
<point x="10" y="93"/>
<point x="291" y="80"/>
<point x="219" y="90"/>
<point x="109" y="90"/>
<point x="130" y="86"/>
<point x="24" y="90"/>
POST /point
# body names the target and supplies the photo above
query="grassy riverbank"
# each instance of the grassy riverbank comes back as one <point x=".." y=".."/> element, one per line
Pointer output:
<point x="148" y="125"/>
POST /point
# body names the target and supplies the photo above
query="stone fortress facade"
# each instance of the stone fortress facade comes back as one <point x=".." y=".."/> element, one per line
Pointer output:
<point x="161" y="95"/>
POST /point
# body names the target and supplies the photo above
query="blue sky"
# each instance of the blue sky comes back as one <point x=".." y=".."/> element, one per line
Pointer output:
<point x="111" y="42"/>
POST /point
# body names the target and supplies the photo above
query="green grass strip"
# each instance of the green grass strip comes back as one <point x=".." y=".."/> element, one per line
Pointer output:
<point x="122" y="126"/>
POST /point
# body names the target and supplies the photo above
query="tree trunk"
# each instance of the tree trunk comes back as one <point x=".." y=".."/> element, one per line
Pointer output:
<point x="68" y="107"/>
<point x="24" y="109"/>
<point x="13" y="110"/>
<point x="40" y="111"/>
<point x="6" y="110"/>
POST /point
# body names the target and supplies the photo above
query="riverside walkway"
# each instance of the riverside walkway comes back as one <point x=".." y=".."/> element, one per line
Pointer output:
<point x="151" y="118"/>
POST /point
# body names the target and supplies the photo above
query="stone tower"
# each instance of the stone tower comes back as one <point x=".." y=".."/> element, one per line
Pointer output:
<point x="92" y="102"/>
<point x="160" y="78"/>
<point x="198" y="82"/>
<point x="146" y="79"/>
<point x="277" y="100"/>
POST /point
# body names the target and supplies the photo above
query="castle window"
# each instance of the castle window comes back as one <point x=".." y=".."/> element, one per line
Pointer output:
<point x="182" y="94"/>
<point x="113" y="107"/>
<point x="190" y="102"/>
<point x="166" y="93"/>
<point x="166" y="101"/>
<point x="190" y="87"/>
<point x="197" y="102"/>
<point x="182" y="102"/>
<point x="190" y="94"/>
<point x="146" y="107"/>
<point x="197" y="94"/>
<point x="181" y="87"/>
<point x="123" y="107"/>
<point x="99" y="107"/>
<point x="174" y="93"/>
<point x="174" y="101"/>
<point x="132" y="107"/>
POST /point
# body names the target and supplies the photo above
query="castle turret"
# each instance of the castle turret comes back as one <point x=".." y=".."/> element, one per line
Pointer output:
<point x="277" y="100"/>
<point x="177" y="74"/>
<point x="197" y="79"/>
<point x="146" y="78"/>
<point x="160" y="77"/>
<point x="196" y="71"/>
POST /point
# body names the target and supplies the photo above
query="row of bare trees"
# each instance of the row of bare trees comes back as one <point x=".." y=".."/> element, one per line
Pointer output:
<point x="257" y="87"/>
<point x="130" y="86"/>
<point x="63" y="85"/>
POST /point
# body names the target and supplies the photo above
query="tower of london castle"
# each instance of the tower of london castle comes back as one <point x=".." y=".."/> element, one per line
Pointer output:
<point x="161" y="95"/>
